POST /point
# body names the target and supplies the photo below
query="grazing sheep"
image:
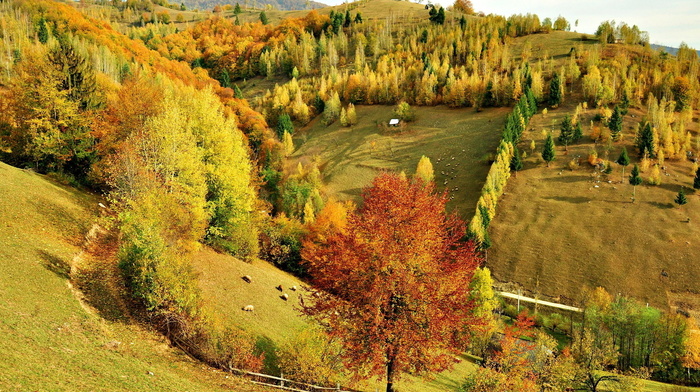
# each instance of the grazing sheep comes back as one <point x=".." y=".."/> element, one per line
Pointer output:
<point x="249" y="308"/>
<point x="284" y="296"/>
<point x="247" y="278"/>
<point x="279" y="287"/>
<point x="293" y="288"/>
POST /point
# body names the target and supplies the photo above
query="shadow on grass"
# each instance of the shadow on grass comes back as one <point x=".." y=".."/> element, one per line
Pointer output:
<point x="55" y="264"/>
<point x="271" y="362"/>
<point x="662" y="206"/>
<point x="568" y="178"/>
<point x="100" y="294"/>
<point x="570" y="199"/>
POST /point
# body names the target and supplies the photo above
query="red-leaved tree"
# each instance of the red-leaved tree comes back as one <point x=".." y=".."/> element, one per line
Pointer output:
<point x="393" y="286"/>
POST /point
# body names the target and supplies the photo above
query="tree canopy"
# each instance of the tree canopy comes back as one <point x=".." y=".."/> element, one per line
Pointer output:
<point x="393" y="287"/>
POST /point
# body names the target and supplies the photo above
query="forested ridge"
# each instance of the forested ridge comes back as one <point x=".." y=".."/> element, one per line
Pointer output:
<point x="156" y="121"/>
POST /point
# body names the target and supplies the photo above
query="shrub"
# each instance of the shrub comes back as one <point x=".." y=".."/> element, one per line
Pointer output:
<point x="281" y="243"/>
<point x="404" y="112"/>
<point x="312" y="357"/>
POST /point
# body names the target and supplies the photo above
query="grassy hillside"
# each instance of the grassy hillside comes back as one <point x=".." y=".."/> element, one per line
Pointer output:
<point x="51" y="339"/>
<point x="396" y="12"/>
<point x="274" y="320"/>
<point x="560" y="230"/>
<point x="457" y="141"/>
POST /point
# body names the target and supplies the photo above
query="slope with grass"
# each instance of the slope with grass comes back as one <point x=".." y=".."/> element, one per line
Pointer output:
<point x="398" y="13"/>
<point x="51" y="339"/>
<point x="276" y="321"/>
<point x="457" y="141"/>
<point x="559" y="230"/>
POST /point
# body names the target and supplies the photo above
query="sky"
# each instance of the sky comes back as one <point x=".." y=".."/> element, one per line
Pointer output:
<point x="668" y="22"/>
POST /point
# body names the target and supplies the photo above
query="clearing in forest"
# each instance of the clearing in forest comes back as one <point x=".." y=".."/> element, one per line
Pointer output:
<point x="458" y="142"/>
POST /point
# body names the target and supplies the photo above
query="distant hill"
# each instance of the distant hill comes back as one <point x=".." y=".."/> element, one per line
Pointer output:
<point x="282" y="5"/>
<point x="668" y="49"/>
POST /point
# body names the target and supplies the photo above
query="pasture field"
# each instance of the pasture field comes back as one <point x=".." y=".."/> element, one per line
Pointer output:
<point x="397" y="12"/>
<point x="559" y="231"/>
<point x="457" y="141"/>
<point x="275" y="321"/>
<point x="52" y="340"/>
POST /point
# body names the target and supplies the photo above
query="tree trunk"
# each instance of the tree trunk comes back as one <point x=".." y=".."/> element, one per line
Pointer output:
<point x="390" y="373"/>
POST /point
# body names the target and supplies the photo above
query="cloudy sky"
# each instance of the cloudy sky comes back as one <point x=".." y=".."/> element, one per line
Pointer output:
<point x="669" y="22"/>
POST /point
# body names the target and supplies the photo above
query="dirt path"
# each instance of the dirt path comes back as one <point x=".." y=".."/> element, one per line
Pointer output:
<point x="95" y="278"/>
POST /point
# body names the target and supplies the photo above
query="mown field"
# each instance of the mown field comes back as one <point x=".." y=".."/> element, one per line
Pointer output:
<point x="457" y="141"/>
<point x="558" y="231"/>
<point x="51" y="341"/>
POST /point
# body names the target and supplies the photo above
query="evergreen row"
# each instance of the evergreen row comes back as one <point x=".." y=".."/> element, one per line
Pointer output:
<point x="498" y="175"/>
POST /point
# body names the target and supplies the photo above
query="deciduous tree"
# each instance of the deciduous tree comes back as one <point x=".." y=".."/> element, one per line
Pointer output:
<point x="424" y="170"/>
<point x="392" y="287"/>
<point x="464" y="6"/>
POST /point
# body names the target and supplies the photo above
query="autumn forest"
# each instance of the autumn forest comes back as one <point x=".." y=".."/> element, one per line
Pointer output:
<point x="377" y="195"/>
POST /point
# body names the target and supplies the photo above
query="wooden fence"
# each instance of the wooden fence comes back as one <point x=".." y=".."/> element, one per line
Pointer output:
<point x="286" y="384"/>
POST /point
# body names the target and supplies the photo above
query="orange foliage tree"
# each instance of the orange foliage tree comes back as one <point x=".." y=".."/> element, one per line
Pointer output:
<point x="393" y="286"/>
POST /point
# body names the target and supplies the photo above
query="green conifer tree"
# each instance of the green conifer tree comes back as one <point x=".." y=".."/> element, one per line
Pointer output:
<point x="263" y="18"/>
<point x="555" y="90"/>
<point x="284" y="124"/>
<point x="645" y="140"/>
<point x="567" y="132"/>
<point x="615" y="123"/>
<point x="347" y="20"/>
<point x="43" y="33"/>
<point x="578" y="132"/>
<point x="548" y="153"/>
<point x="237" y="9"/>
<point x="440" y="19"/>
<point x="635" y="179"/>
<point x="623" y="160"/>
<point x="696" y="182"/>
<point x="680" y="198"/>
<point x="516" y="162"/>
<point x="237" y="93"/>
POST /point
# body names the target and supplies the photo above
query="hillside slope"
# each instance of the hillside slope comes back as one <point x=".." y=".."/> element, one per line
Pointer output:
<point x="52" y="340"/>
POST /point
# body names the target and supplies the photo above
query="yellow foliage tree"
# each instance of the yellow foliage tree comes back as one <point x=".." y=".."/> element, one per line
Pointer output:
<point x="424" y="170"/>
